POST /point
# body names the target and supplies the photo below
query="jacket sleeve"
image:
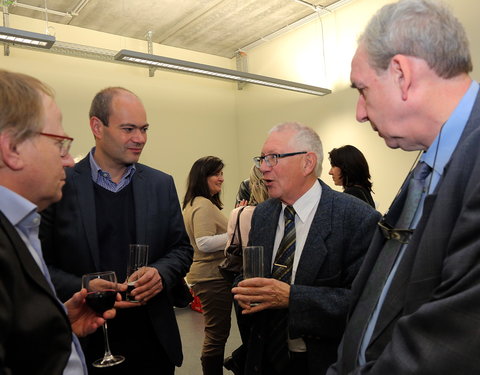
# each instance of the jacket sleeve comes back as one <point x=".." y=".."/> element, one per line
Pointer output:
<point x="178" y="253"/>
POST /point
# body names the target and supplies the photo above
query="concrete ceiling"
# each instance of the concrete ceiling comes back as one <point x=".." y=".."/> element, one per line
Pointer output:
<point x="217" y="27"/>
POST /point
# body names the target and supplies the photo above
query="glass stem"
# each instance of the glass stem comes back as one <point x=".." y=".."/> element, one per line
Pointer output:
<point x="107" y="345"/>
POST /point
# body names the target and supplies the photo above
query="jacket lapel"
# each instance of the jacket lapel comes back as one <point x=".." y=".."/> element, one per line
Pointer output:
<point x="267" y="220"/>
<point x="141" y="206"/>
<point x="314" y="251"/>
<point x="83" y="186"/>
<point x="31" y="268"/>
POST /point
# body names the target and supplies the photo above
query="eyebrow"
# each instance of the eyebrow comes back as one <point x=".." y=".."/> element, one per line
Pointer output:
<point x="135" y="126"/>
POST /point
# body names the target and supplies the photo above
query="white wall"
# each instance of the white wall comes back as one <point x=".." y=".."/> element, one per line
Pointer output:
<point x="192" y="117"/>
<point x="298" y="56"/>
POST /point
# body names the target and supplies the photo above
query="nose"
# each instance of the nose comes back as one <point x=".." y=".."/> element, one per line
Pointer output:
<point x="264" y="167"/>
<point x="361" y="113"/>
<point x="139" y="136"/>
<point x="67" y="161"/>
<point x="330" y="172"/>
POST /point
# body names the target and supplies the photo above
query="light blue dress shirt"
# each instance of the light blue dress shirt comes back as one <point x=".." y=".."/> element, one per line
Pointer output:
<point x="437" y="156"/>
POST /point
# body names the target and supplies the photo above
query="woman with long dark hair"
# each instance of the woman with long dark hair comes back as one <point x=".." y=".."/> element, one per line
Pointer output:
<point x="350" y="170"/>
<point x="207" y="226"/>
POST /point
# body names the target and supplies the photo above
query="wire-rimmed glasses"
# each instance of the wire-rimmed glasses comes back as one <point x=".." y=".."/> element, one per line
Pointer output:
<point x="272" y="159"/>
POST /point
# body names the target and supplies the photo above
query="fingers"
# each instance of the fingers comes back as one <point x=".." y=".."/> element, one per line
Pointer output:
<point x="258" y="294"/>
<point x="109" y="314"/>
<point x="148" y="286"/>
<point x="126" y="305"/>
<point x="122" y="287"/>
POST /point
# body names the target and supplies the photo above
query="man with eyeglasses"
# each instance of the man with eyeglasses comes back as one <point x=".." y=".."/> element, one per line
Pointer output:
<point x="110" y="201"/>
<point x="314" y="240"/>
<point x="35" y="327"/>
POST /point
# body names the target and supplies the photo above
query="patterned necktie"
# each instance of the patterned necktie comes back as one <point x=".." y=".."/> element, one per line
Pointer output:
<point x="367" y="302"/>
<point x="276" y="348"/>
<point x="282" y="267"/>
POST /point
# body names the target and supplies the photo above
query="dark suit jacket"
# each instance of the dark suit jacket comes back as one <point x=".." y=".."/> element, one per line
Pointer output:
<point x="430" y="321"/>
<point x="336" y="243"/>
<point x="35" y="333"/>
<point x="70" y="243"/>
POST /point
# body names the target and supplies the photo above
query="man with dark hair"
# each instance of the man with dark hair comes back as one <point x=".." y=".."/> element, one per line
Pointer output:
<point x="416" y="299"/>
<point x="314" y="240"/>
<point x="35" y="327"/>
<point x="111" y="201"/>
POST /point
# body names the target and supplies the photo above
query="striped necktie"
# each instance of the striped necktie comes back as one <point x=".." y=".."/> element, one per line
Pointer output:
<point x="283" y="265"/>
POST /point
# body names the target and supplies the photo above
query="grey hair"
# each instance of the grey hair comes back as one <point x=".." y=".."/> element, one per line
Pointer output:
<point x="306" y="139"/>
<point x="425" y="29"/>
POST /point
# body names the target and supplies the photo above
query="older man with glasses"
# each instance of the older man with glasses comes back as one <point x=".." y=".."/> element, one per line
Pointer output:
<point x="35" y="327"/>
<point x="314" y="241"/>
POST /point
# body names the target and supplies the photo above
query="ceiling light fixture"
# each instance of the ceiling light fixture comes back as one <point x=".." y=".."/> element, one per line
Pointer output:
<point x="15" y="36"/>
<point x="216" y="72"/>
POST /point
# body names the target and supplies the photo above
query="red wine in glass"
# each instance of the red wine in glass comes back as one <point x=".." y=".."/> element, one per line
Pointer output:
<point x="101" y="301"/>
<point x="101" y="294"/>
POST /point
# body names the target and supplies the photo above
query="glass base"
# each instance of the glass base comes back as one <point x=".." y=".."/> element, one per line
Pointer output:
<point x="107" y="361"/>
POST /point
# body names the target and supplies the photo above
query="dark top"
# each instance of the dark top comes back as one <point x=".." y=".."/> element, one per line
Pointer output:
<point x="361" y="193"/>
<point x="115" y="228"/>
<point x="243" y="191"/>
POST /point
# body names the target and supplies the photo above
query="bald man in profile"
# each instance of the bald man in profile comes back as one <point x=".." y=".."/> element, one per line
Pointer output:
<point x="110" y="201"/>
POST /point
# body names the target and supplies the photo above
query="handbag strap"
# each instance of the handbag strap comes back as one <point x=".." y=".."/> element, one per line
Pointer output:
<point x="237" y="228"/>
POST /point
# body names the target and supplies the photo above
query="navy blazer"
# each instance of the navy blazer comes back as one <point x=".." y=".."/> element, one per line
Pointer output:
<point x="430" y="320"/>
<point x="338" y="238"/>
<point x="35" y="333"/>
<point x="70" y="243"/>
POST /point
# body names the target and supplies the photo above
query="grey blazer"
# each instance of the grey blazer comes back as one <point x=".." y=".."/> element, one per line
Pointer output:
<point x="430" y="322"/>
<point x="70" y="244"/>
<point x="336" y="243"/>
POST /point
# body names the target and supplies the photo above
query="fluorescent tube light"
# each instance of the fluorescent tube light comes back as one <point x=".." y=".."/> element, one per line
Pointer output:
<point x="216" y="72"/>
<point x="14" y="36"/>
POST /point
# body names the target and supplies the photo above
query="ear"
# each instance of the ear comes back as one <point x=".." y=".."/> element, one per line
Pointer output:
<point x="97" y="127"/>
<point x="309" y="163"/>
<point x="402" y="73"/>
<point x="10" y="152"/>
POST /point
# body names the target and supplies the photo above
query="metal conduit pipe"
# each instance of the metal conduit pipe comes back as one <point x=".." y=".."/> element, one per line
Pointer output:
<point x="6" y="23"/>
<point x="78" y="8"/>
<point x="43" y="10"/>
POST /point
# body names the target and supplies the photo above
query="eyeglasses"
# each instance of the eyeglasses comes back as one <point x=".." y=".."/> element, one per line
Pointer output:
<point x="390" y="233"/>
<point x="272" y="159"/>
<point x="63" y="142"/>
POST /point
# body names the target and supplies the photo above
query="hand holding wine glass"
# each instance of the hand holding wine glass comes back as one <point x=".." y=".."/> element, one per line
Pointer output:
<point x="83" y="319"/>
<point x="137" y="261"/>
<point x="101" y="295"/>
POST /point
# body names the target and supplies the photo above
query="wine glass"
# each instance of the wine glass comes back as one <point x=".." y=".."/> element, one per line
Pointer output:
<point x="101" y="295"/>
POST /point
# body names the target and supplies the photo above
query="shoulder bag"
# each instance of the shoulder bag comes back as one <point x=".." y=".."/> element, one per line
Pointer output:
<point x="231" y="266"/>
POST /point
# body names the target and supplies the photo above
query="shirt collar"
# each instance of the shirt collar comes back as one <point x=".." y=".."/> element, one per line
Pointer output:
<point x="440" y="151"/>
<point x="306" y="203"/>
<point x="96" y="170"/>
<point x="15" y="207"/>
